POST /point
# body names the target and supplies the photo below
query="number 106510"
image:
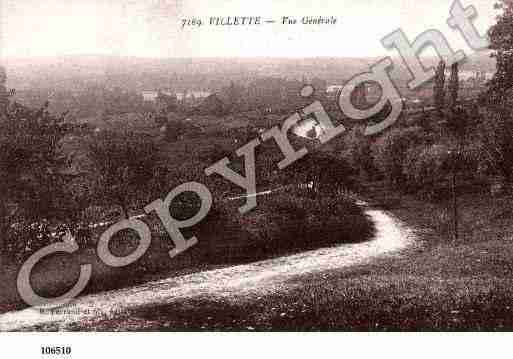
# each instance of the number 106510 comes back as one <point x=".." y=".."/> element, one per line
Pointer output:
<point x="56" y="350"/>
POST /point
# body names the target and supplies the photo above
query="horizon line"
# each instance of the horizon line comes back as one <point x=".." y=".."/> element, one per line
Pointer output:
<point x="241" y="57"/>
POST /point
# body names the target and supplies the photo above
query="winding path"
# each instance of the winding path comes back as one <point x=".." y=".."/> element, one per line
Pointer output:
<point x="229" y="283"/>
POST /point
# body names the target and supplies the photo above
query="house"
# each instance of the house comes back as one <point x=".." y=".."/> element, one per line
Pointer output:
<point x="152" y="95"/>
<point x="192" y="95"/>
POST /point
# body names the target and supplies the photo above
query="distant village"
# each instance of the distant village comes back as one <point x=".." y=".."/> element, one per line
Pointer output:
<point x="274" y="95"/>
<point x="266" y="95"/>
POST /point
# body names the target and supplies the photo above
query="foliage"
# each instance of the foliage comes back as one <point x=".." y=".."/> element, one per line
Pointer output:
<point x="390" y="150"/>
<point x="34" y="174"/>
<point x="501" y="41"/>
<point x="426" y="122"/>
<point x="290" y="221"/>
<point x="496" y="131"/>
<point x="360" y="152"/>
<point x="426" y="167"/>
<point x="458" y="123"/>
<point x="496" y="135"/>
<point x="174" y="130"/>
<point x="439" y="87"/>
<point x="127" y="166"/>
<point x="454" y="86"/>
<point x="166" y="103"/>
<point x="325" y="172"/>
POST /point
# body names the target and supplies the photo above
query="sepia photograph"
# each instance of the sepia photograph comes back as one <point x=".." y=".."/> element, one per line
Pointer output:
<point x="271" y="166"/>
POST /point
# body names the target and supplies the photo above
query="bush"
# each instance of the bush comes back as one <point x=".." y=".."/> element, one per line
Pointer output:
<point x="23" y="240"/>
<point x="425" y="168"/>
<point x="428" y="168"/>
<point x="283" y="223"/>
<point x="390" y="150"/>
<point x="496" y="138"/>
<point x="360" y="152"/>
<point x="326" y="172"/>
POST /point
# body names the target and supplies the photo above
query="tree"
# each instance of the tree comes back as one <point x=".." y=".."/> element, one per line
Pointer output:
<point x="458" y="125"/>
<point x="426" y="168"/>
<point x="33" y="178"/>
<point x="174" y="130"/>
<point x="4" y="98"/>
<point x="496" y="133"/>
<point x="454" y="86"/>
<point x="390" y="151"/>
<point x="497" y="127"/>
<point x="233" y="95"/>
<point x="360" y="152"/>
<point x="126" y="166"/>
<point x="426" y="122"/>
<point x="501" y="42"/>
<point x="166" y="103"/>
<point x="359" y="96"/>
<point x="439" y="88"/>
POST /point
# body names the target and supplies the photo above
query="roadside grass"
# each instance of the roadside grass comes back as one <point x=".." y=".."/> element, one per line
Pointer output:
<point x="439" y="285"/>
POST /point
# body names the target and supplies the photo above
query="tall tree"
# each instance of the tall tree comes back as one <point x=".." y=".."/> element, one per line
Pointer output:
<point x="497" y="128"/>
<point x="454" y="86"/>
<point x="496" y="133"/>
<point x="4" y="97"/>
<point x="501" y="41"/>
<point x="359" y="96"/>
<point x="439" y="88"/>
<point x="458" y="126"/>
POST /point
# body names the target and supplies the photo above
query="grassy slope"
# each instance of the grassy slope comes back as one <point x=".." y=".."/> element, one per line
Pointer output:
<point x="439" y="285"/>
<point x="273" y="229"/>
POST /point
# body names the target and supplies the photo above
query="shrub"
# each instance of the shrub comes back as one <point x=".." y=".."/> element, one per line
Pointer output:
<point x="496" y="138"/>
<point x="425" y="168"/>
<point x="326" y="172"/>
<point x="428" y="168"/>
<point x="360" y="152"/>
<point x="285" y="223"/>
<point x="390" y="150"/>
<point x="126" y="166"/>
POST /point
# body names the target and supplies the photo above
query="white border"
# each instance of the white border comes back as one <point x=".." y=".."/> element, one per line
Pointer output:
<point x="258" y="345"/>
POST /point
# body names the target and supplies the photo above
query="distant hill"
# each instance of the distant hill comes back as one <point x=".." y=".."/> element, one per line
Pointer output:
<point x="139" y="74"/>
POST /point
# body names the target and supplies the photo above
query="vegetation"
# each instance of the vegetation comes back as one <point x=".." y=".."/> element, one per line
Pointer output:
<point x="390" y="151"/>
<point x="502" y="44"/>
<point x="33" y="178"/>
<point x="126" y="166"/>
<point x="439" y="90"/>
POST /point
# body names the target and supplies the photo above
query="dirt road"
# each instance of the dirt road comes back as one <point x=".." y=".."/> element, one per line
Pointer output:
<point x="230" y="283"/>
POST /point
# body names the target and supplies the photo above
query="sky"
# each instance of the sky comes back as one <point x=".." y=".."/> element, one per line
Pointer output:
<point x="152" y="28"/>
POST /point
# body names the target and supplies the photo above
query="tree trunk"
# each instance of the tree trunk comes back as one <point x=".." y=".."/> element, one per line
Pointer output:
<point x="124" y="208"/>
<point x="455" y="205"/>
<point x="3" y="232"/>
